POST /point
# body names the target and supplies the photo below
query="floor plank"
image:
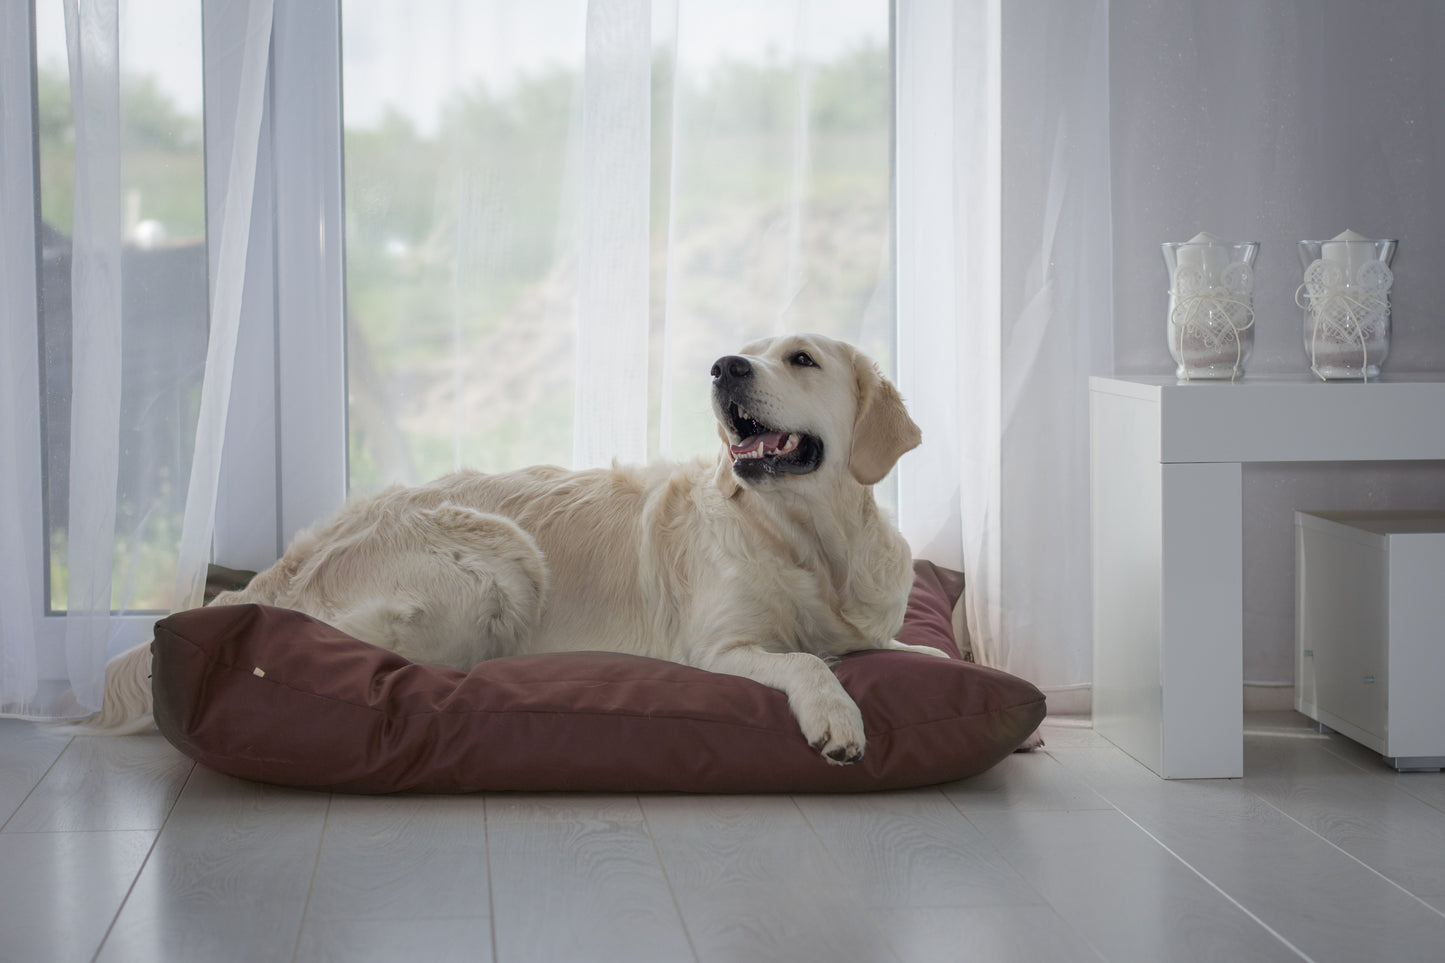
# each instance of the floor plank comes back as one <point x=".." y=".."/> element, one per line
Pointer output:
<point x="390" y="940"/>
<point x="1428" y="787"/>
<point x="1024" y="781"/>
<point x="587" y="808"/>
<point x="228" y="877"/>
<point x="27" y="751"/>
<point x="1363" y="813"/>
<point x="754" y="883"/>
<point x="60" y="891"/>
<point x="912" y="849"/>
<point x="578" y="879"/>
<point x="105" y="783"/>
<point x="402" y="857"/>
<point x="1124" y="892"/>
<point x="1073" y="852"/>
<point x="994" y="934"/>
<point x="1314" y="895"/>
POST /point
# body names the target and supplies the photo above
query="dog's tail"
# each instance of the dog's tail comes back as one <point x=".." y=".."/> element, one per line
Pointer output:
<point x="125" y="707"/>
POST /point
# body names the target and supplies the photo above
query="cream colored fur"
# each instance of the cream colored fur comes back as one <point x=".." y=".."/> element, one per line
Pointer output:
<point x="765" y="577"/>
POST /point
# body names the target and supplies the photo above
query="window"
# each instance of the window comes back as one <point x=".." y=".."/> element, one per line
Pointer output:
<point x="158" y="286"/>
<point x="764" y="152"/>
<point x="423" y="276"/>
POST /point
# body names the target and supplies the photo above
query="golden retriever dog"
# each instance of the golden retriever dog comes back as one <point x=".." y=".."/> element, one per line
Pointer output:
<point x="768" y="561"/>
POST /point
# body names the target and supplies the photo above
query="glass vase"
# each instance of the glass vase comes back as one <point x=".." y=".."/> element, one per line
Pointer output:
<point x="1211" y="306"/>
<point x="1346" y="300"/>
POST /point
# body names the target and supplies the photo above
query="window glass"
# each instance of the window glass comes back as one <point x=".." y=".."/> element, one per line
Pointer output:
<point x="457" y="118"/>
<point x="780" y="186"/>
<point x="769" y="211"/>
<point x="163" y="285"/>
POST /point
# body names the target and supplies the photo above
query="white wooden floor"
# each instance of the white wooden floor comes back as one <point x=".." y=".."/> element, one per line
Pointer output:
<point x="122" y="849"/>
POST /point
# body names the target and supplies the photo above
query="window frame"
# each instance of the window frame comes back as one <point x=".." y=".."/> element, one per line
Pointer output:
<point x="20" y="307"/>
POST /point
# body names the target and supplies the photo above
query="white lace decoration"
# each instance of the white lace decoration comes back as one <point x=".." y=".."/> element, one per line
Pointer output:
<point x="1343" y="313"/>
<point x="1213" y="314"/>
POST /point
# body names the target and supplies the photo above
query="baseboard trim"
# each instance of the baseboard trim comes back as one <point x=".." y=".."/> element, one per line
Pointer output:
<point x="1077" y="701"/>
<point x="1268" y="698"/>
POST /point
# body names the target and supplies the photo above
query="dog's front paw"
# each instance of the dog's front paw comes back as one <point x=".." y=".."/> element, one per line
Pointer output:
<point x="833" y="725"/>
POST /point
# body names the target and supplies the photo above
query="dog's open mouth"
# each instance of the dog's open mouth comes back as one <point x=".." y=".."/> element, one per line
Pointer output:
<point x="764" y="450"/>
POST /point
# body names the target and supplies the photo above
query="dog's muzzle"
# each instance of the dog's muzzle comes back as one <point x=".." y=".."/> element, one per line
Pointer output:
<point x="760" y="449"/>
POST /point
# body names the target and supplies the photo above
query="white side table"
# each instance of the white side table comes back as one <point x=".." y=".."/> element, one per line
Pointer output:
<point x="1166" y="465"/>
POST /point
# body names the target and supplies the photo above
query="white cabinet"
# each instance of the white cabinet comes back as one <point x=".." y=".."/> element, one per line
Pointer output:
<point x="1370" y="630"/>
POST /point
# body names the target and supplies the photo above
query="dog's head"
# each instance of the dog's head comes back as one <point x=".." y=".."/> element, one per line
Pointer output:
<point x="801" y="405"/>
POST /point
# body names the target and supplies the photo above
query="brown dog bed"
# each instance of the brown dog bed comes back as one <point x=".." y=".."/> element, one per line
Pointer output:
<point x="276" y="696"/>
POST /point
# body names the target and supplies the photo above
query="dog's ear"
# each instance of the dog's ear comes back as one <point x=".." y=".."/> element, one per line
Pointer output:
<point x="882" y="431"/>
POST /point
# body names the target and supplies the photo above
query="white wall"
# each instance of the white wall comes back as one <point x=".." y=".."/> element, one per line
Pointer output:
<point x="1276" y="121"/>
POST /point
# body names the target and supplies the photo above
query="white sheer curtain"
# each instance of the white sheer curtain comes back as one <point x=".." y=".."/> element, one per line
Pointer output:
<point x="559" y="215"/>
<point x="93" y="43"/>
<point x="948" y="292"/>
<point x="1005" y="267"/>
<point x="133" y="350"/>
<point x="613" y="244"/>
<point x="233" y="238"/>
<point x="779" y="193"/>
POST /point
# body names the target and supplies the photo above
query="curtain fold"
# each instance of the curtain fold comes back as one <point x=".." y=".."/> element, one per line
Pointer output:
<point x="233" y="233"/>
<point x="1056" y="313"/>
<point x="949" y="155"/>
<point x="132" y="417"/>
<point x="93" y="43"/>
<point x="1005" y="309"/>
<point x="614" y="247"/>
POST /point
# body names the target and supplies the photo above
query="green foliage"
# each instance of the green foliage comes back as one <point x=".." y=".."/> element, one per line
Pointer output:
<point x="151" y="121"/>
<point x="459" y="257"/>
<point x="162" y="179"/>
<point x="54" y="121"/>
<point x="162" y="157"/>
<point x="460" y="238"/>
<point x="853" y="93"/>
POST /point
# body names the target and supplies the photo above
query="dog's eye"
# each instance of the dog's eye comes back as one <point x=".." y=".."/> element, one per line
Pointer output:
<point x="803" y="360"/>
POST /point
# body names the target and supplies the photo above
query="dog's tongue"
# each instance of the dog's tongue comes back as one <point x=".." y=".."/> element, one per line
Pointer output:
<point x="767" y="441"/>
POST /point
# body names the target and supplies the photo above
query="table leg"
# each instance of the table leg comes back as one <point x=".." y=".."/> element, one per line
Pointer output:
<point x="1201" y="671"/>
<point x="1168" y="599"/>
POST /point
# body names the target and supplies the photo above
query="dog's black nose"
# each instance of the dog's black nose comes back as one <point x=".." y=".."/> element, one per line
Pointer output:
<point x="732" y="367"/>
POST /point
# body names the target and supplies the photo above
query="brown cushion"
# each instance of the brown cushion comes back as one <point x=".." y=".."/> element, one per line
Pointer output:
<point x="276" y="696"/>
<point x="929" y="620"/>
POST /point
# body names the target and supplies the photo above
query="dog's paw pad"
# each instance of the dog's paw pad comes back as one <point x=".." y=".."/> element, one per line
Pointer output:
<point x="845" y="755"/>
